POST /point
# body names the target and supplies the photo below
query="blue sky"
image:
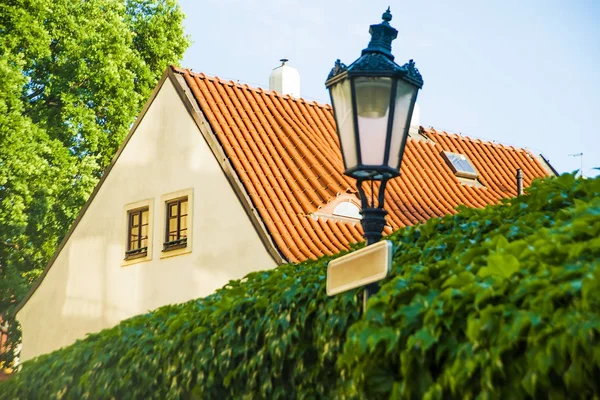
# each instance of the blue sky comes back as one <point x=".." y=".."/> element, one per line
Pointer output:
<point x="519" y="72"/>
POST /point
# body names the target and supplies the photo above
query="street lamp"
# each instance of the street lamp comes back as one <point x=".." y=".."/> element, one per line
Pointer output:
<point x="373" y="101"/>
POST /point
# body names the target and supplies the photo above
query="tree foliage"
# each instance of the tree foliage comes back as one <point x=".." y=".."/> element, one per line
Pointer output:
<point x="502" y="302"/>
<point x="35" y="172"/>
<point x="73" y="77"/>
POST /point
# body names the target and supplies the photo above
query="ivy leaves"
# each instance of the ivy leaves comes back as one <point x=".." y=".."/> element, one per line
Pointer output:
<point x="502" y="316"/>
<point x="511" y="310"/>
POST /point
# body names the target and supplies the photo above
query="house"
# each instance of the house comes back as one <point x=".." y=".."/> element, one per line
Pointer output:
<point x="217" y="179"/>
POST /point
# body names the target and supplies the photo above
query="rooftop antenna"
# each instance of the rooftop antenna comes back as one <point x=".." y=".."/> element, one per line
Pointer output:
<point x="579" y="155"/>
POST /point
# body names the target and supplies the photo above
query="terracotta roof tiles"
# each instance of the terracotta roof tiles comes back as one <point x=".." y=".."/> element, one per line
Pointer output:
<point x="285" y="152"/>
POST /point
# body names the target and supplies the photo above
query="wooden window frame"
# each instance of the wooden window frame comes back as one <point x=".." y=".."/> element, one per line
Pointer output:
<point x="183" y="249"/>
<point x="140" y="251"/>
<point x="180" y="242"/>
<point x="140" y="257"/>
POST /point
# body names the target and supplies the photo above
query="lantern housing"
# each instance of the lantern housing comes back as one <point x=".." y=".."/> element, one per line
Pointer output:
<point x="373" y="101"/>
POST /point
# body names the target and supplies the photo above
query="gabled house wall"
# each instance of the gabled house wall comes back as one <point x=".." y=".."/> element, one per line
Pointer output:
<point x="89" y="286"/>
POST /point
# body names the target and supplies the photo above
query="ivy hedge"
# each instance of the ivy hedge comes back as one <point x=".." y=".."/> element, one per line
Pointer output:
<point x="501" y="302"/>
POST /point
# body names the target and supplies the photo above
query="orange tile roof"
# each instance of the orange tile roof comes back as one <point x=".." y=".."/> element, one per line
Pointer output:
<point x="286" y="153"/>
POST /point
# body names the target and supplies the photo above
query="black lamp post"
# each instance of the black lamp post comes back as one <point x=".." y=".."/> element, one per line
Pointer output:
<point x="373" y="101"/>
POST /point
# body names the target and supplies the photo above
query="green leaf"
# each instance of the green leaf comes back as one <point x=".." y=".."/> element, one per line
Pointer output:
<point x="500" y="264"/>
<point x="436" y="329"/>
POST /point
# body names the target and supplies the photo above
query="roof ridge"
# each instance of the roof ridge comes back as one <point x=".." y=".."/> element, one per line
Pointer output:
<point x="231" y="82"/>
<point x="462" y="136"/>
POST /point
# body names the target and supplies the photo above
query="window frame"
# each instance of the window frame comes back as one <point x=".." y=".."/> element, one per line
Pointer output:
<point x="181" y="248"/>
<point x="461" y="173"/>
<point x="180" y="241"/>
<point x="127" y="209"/>
<point x="140" y="251"/>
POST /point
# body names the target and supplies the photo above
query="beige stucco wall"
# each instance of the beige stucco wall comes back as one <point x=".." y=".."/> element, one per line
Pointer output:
<point x="88" y="288"/>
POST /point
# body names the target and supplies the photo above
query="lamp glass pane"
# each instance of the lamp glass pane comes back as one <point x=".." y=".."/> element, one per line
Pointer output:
<point x="406" y="95"/>
<point x="341" y="97"/>
<point x="373" y="108"/>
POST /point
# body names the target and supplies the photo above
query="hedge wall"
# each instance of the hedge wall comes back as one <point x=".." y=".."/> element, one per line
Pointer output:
<point x="502" y="302"/>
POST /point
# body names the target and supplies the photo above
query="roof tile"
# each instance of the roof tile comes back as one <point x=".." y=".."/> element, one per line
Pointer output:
<point x="286" y="154"/>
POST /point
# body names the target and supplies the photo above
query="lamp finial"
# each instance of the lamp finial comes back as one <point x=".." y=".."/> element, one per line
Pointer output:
<point x="381" y="37"/>
<point x="387" y="16"/>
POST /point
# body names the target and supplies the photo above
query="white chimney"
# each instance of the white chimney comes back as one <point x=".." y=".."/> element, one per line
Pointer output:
<point x="285" y="79"/>
<point x="415" y="123"/>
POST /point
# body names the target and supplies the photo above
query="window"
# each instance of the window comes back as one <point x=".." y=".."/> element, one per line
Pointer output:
<point x="460" y="164"/>
<point x="177" y="214"/>
<point x="347" y="209"/>
<point x="137" y="233"/>
<point x="177" y="224"/>
<point x="344" y="207"/>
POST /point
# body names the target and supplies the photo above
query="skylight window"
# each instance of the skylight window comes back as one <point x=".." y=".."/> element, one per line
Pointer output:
<point x="461" y="165"/>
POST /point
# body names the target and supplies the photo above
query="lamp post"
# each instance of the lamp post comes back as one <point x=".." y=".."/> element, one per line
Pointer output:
<point x="373" y="100"/>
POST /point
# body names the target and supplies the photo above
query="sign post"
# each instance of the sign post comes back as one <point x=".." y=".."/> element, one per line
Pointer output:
<point x="360" y="268"/>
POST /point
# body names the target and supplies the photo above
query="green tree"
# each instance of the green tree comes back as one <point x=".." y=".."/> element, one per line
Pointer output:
<point x="102" y="59"/>
<point x="35" y="173"/>
<point x="73" y="77"/>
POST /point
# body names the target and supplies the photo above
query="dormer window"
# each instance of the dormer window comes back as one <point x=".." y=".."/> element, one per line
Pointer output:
<point x="347" y="209"/>
<point x="460" y="165"/>
<point x="344" y="207"/>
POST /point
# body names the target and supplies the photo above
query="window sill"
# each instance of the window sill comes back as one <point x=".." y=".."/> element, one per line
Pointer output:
<point x="175" y="244"/>
<point x="136" y="258"/>
<point x="176" y="250"/>
<point x="130" y="257"/>
<point x="137" y="253"/>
